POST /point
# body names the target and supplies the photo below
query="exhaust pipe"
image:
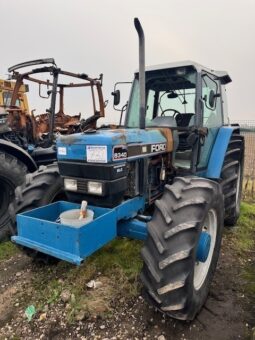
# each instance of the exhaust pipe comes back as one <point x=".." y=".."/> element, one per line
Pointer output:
<point x="140" y="33"/>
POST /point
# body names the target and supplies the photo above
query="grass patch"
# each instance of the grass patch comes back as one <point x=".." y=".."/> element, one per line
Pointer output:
<point x="244" y="242"/>
<point x="116" y="266"/>
<point x="245" y="233"/>
<point x="249" y="276"/>
<point x="7" y="250"/>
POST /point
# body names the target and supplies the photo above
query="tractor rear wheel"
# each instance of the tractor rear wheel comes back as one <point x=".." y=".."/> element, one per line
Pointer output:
<point x="42" y="187"/>
<point x="182" y="248"/>
<point x="12" y="174"/>
<point x="232" y="178"/>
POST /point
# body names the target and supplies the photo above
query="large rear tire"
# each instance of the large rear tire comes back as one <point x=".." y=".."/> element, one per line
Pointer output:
<point x="232" y="179"/>
<point x="12" y="174"/>
<point x="40" y="188"/>
<point x="175" y="282"/>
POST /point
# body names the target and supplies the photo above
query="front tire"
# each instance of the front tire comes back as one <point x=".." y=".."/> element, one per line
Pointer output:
<point x="174" y="282"/>
<point x="12" y="174"/>
<point x="40" y="188"/>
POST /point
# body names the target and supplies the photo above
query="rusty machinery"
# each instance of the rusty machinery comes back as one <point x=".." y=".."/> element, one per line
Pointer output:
<point x="34" y="126"/>
<point x="28" y="140"/>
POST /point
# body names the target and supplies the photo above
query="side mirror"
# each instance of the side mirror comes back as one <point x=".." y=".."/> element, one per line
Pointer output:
<point x="211" y="100"/>
<point x="40" y="92"/>
<point x="116" y="97"/>
<point x="119" y="103"/>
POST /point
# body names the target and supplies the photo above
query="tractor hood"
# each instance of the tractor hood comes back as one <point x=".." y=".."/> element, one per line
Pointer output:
<point x="105" y="146"/>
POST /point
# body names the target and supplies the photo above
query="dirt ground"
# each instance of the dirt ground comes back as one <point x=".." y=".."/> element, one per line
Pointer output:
<point x="229" y="312"/>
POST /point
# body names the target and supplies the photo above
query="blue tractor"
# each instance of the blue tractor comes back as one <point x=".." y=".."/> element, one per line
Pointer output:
<point x="171" y="176"/>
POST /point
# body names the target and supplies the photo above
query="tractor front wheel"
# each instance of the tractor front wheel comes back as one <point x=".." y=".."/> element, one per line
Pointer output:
<point x="182" y="249"/>
<point x="12" y="174"/>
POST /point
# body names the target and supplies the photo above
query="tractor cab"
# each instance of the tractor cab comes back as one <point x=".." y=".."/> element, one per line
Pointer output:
<point x="184" y="105"/>
<point x="6" y="91"/>
<point x="190" y="100"/>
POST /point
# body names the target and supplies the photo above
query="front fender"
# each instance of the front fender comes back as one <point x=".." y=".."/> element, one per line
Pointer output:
<point x="19" y="153"/>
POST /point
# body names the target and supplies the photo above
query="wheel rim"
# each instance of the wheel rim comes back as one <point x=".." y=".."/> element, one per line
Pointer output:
<point x="201" y="268"/>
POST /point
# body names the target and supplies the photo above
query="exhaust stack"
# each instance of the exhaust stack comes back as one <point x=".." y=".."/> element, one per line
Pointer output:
<point x="140" y="33"/>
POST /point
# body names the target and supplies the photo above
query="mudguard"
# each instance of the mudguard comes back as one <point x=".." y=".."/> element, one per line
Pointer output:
<point x="19" y="153"/>
<point x="218" y="152"/>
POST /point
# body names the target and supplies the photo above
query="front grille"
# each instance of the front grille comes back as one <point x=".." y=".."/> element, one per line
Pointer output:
<point x="100" y="172"/>
<point x="82" y="186"/>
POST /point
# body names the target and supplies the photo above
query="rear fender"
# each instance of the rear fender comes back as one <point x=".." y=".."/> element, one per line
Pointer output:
<point x="19" y="153"/>
<point x="219" y="149"/>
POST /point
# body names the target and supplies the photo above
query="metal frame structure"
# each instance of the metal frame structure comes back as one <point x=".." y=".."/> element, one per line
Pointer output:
<point x="57" y="87"/>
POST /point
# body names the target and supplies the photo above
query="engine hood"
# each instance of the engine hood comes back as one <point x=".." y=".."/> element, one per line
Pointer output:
<point x="104" y="144"/>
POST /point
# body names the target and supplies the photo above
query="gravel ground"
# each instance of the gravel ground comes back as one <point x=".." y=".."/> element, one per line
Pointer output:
<point x="229" y="312"/>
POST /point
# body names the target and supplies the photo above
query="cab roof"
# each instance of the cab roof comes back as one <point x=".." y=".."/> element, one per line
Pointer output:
<point x="223" y="76"/>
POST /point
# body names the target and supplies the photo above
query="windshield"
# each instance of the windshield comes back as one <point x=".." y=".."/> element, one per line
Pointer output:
<point x="7" y="96"/>
<point x="170" y="92"/>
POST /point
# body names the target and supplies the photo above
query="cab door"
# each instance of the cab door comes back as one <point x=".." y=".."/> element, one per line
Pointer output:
<point x="212" y="115"/>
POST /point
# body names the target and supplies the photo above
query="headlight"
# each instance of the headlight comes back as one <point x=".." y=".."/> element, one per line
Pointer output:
<point x="95" y="188"/>
<point x="70" y="184"/>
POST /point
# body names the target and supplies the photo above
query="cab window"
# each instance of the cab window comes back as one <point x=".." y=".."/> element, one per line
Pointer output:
<point x="7" y="96"/>
<point x="212" y="115"/>
<point x="169" y="92"/>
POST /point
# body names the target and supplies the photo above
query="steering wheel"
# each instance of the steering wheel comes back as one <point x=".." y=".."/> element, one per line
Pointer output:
<point x="175" y="112"/>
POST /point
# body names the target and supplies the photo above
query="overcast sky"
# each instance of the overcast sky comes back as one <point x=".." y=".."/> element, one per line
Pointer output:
<point x="98" y="37"/>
